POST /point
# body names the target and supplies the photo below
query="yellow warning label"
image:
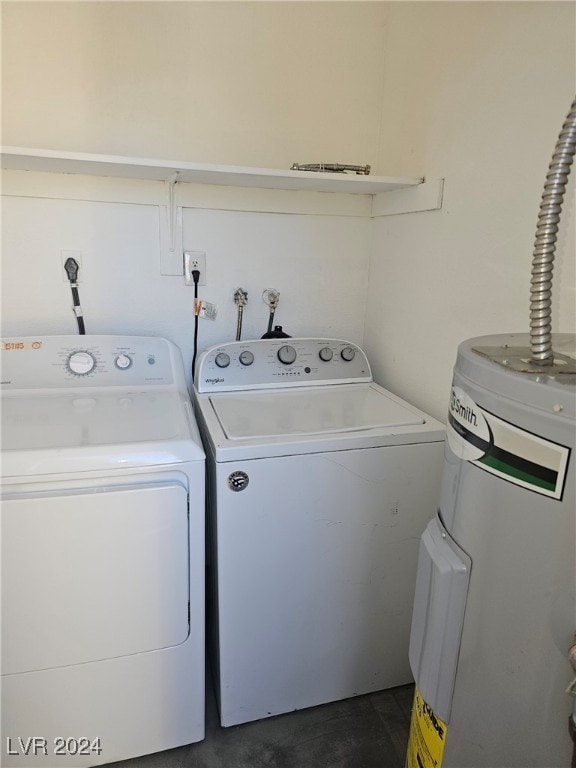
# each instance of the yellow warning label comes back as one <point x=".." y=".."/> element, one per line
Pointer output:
<point x="427" y="736"/>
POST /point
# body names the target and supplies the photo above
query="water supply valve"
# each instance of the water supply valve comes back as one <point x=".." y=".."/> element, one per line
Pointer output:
<point x="240" y="299"/>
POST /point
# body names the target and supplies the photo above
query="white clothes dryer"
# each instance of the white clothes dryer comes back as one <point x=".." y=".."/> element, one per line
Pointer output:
<point x="320" y="484"/>
<point x="102" y="519"/>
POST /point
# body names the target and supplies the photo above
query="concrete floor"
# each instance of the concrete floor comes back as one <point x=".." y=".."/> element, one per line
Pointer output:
<point x="364" y="732"/>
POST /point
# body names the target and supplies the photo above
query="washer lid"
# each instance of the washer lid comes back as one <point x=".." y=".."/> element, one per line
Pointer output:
<point x="314" y="411"/>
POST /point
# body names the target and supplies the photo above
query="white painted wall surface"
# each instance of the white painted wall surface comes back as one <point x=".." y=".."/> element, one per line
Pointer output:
<point x="244" y="83"/>
<point x="473" y="92"/>
<point x="306" y="257"/>
<point x="478" y="97"/>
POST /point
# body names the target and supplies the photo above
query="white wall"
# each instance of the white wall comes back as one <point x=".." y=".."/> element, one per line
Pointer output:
<point x="245" y="83"/>
<point x="305" y="257"/>
<point x="473" y="92"/>
<point x="242" y="83"/>
<point x="476" y="93"/>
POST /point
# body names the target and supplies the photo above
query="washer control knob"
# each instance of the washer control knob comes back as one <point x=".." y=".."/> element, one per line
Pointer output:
<point x="123" y="362"/>
<point x="246" y="357"/>
<point x="81" y="363"/>
<point x="222" y="360"/>
<point x="326" y="354"/>
<point x="287" y="354"/>
<point x="348" y="354"/>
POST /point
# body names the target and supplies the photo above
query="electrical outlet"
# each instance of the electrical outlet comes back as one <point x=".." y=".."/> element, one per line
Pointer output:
<point x="194" y="260"/>
<point x="77" y="256"/>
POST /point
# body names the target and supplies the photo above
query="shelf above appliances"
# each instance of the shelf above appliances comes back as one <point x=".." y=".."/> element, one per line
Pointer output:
<point x="55" y="161"/>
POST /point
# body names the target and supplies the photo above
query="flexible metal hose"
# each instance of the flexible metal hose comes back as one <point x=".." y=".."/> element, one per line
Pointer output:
<point x="240" y="299"/>
<point x="545" y="243"/>
<point x="239" y="322"/>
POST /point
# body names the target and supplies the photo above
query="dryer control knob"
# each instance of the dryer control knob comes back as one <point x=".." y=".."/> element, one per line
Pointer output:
<point x="326" y="354"/>
<point x="246" y="357"/>
<point x="123" y="362"/>
<point x="348" y="354"/>
<point x="222" y="360"/>
<point x="81" y="363"/>
<point x="286" y="354"/>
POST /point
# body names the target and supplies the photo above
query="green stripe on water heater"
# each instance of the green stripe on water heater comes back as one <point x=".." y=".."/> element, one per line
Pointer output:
<point x="518" y="474"/>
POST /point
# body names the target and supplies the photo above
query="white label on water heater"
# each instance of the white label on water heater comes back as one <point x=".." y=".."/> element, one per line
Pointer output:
<point x="504" y="450"/>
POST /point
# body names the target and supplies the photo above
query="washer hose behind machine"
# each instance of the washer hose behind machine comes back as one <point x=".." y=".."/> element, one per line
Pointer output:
<point x="545" y="243"/>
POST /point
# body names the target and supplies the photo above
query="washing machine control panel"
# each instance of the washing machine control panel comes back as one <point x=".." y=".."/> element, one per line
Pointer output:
<point x="287" y="362"/>
<point x="93" y="361"/>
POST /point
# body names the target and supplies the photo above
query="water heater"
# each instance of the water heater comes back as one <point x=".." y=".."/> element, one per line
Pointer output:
<point x="494" y="604"/>
<point x="494" y="612"/>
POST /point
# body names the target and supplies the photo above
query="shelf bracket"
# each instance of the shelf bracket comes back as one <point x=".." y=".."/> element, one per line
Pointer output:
<point x="424" y="197"/>
<point x="171" y="247"/>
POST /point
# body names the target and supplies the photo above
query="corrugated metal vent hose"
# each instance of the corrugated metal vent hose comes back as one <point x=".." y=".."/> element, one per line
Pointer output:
<point x="545" y="243"/>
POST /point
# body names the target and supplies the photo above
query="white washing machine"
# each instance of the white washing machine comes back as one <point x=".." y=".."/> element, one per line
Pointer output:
<point x="102" y="521"/>
<point x="320" y="484"/>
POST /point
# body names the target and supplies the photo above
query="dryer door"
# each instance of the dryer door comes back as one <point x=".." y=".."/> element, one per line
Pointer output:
<point x="93" y="573"/>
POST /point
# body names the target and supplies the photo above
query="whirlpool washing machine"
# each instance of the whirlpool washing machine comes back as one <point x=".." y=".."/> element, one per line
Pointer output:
<point x="102" y="551"/>
<point x="320" y="484"/>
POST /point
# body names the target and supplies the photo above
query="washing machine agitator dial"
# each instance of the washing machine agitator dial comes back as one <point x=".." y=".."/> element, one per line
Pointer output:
<point x="326" y="354"/>
<point x="348" y="354"/>
<point x="287" y="354"/>
<point x="222" y="360"/>
<point x="246" y="357"/>
<point x="81" y="363"/>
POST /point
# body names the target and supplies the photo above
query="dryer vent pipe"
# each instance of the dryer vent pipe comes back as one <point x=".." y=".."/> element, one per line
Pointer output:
<point x="545" y="243"/>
